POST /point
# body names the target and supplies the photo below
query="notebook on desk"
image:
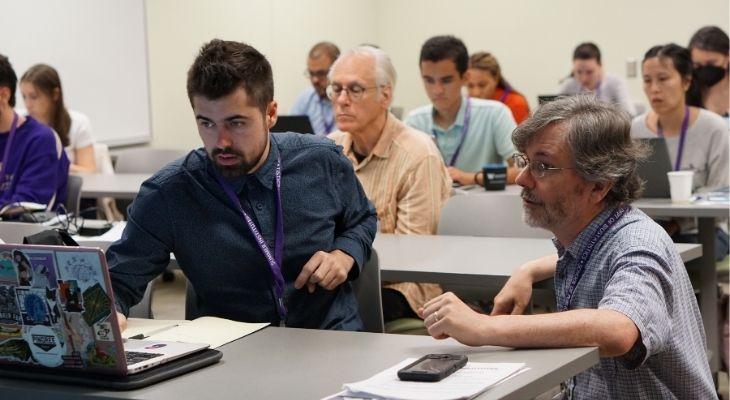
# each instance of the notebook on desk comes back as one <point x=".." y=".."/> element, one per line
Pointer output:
<point x="57" y="315"/>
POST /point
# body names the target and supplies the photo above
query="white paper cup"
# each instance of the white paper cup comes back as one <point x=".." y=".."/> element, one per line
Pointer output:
<point x="680" y="185"/>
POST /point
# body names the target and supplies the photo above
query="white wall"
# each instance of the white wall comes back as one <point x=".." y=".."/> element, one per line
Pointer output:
<point x="284" y="31"/>
<point x="533" y="40"/>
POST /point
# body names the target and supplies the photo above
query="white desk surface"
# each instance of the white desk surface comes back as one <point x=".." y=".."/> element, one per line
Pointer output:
<point x="118" y="186"/>
<point x="466" y="260"/>
<point x="287" y="363"/>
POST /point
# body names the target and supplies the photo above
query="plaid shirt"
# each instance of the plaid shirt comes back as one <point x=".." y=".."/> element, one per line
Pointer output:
<point x="635" y="270"/>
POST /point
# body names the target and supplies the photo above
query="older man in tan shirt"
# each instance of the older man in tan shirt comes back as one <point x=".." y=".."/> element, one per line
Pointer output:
<point x="400" y="168"/>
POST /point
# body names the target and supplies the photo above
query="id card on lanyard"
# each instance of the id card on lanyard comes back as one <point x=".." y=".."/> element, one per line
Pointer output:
<point x="275" y="260"/>
<point x="682" y="135"/>
<point x="6" y="153"/>
<point x="463" y="132"/>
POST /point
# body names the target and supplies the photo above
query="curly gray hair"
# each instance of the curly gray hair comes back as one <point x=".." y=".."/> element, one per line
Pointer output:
<point x="599" y="137"/>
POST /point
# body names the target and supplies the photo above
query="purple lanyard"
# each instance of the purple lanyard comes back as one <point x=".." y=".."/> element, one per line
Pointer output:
<point x="275" y="261"/>
<point x="8" y="144"/>
<point x="327" y="125"/>
<point x="682" y="135"/>
<point x="504" y="95"/>
<point x="464" y="131"/>
<point x="587" y="252"/>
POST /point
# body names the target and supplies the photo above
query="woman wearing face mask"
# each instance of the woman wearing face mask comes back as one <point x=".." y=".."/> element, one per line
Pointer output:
<point x="709" y="49"/>
<point x="485" y="81"/>
<point x="588" y="76"/>
<point x="43" y="97"/>
<point x="697" y="139"/>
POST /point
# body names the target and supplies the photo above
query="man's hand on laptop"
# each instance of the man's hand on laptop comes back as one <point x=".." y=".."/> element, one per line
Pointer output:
<point x="328" y="270"/>
<point x="122" y="321"/>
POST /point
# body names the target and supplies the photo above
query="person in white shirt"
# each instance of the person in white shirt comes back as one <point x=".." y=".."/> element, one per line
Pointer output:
<point x="43" y="97"/>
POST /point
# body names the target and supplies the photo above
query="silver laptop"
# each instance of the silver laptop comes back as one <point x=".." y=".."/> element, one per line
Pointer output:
<point x="57" y="311"/>
<point x="654" y="169"/>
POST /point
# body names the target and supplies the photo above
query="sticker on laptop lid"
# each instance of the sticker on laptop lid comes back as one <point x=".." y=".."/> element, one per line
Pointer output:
<point x="45" y="345"/>
<point x="97" y="305"/>
<point x="15" y="350"/>
<point x="83" y="267"/>
<point x="70" y="295"/>
<point x="25" y="271"/>
<point x="103" y="331"/>
<point x="8" y="273"/>
<point x="33" y="306"/>
<point x="10" y="318"/>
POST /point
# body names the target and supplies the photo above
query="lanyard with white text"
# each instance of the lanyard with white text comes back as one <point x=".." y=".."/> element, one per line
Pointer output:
<point x="276" y="260"/>
<point x="682" y="135"/>
<point x="464" y="131"/>
<point x="8" y="144"/>
<point x="585" y="255"/>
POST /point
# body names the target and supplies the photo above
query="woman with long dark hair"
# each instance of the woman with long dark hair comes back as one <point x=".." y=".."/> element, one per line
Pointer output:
<point x="43" y="97"/>
<point x="709" y="48"/>
<point x="697" y="139"/>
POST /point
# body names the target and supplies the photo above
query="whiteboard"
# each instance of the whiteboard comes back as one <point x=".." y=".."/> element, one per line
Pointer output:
<point x="99" y="48"/>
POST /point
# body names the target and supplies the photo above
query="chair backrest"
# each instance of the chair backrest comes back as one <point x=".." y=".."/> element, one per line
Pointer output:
<point x="14" y="232"/>
<point x="145" y="160"/>
<point x="494" y="214"/>
<point x="191" y="302"/>
<point x="143" y="309"/>
<point x="367" y="291"/>
<point x="73" y="194"/>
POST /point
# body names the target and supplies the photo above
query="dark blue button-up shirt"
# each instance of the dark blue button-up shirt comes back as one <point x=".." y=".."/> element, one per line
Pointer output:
<point x="183" y="210"/>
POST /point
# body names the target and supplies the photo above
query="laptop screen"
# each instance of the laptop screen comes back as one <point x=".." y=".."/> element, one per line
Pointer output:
<point x="57" y="309"/>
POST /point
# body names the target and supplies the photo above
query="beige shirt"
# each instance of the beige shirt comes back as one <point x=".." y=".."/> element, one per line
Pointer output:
<point x="406" y="179"/>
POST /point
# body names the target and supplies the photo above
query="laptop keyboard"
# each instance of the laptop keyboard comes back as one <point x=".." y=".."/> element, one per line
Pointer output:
<point x="134" y="357"/>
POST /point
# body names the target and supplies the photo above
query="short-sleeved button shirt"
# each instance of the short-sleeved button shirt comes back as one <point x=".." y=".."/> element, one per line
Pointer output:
<point x="488" y="139"/>
<point x="636" y="270"/>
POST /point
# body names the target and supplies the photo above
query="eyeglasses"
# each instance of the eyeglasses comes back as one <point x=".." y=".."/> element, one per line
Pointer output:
<point x="354" y="91"/>
<point x="321" y="74"/>
<point x="537" y="169"/>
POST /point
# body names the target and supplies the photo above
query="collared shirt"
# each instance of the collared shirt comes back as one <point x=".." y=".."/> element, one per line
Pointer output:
<point x="489" y="139"/>
<point x="318" y="109"/>
<point x="406" y="179"/>
<point x="182" y="209"/>
<point x="636" y="271"/>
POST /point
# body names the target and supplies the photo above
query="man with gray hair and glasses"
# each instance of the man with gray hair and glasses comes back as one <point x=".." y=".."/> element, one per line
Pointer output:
<point x="620" y="284"/>
<point x="400" y="168"/>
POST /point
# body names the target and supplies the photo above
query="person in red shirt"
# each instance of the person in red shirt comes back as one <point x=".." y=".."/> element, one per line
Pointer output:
<point x="485" y="81"/>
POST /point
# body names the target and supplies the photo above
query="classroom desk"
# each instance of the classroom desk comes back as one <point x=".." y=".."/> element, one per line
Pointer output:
<point x="466" y="260"/>
<point x="706" y="214"/>
<point x="118" y="186"/>
<point x="287" y="363"/>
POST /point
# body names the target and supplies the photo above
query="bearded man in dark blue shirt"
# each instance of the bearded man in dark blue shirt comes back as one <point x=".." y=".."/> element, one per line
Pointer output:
<point x="267" y="227"/>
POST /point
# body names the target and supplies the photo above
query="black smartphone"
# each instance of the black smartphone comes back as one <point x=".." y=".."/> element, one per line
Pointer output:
<point x="432" y="367"/>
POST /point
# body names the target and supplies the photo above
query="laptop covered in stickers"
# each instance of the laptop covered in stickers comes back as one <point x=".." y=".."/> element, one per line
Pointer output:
<point x="57" y="318"/>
